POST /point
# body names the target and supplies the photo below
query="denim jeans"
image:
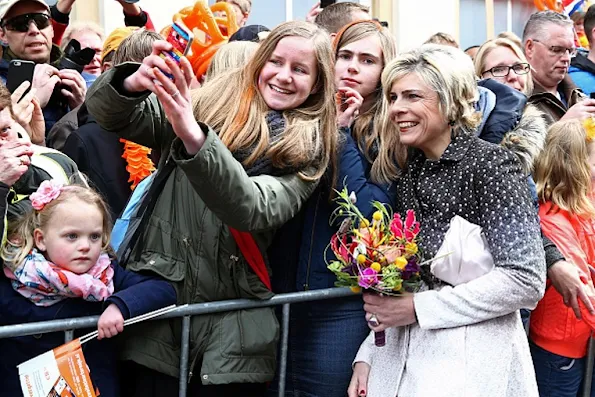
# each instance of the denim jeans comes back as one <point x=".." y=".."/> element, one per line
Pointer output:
<point x="324" y="338"/>
<point x="558" y="376"/>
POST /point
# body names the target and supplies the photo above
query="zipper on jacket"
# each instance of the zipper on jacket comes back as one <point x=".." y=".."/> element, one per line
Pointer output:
<point x="306" y="285"/>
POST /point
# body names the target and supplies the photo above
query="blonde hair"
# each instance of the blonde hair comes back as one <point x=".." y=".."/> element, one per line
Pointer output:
<point x="488" y="46"/>
<point x="238" y="111"/>
<point x="449" y="73"/>
<point x="80" y="27"/>
<point x="442" y="39"/>
<point x="562" y="170"/>
<point x="233" y="55"/>
<point x="20" y="232"/>
<point x="512" y="37"/>
<point x="354" y="32"/>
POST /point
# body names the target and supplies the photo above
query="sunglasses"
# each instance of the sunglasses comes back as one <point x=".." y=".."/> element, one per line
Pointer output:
<point x="21" y="23"/>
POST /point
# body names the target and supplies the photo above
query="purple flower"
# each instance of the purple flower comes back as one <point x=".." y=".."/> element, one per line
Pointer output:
<point x="351" y="269"/>
<point x="368" y="278"/>
<point x="411" y="268"/>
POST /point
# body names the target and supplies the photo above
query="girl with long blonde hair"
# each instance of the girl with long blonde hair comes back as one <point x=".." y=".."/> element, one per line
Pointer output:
<point x="362" y="49"/>
<point x="241" y="155"/>
<point x="564" y="174"/>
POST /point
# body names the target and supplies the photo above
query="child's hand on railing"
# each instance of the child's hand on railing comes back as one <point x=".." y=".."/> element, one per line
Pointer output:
<point x="110" y="323"/>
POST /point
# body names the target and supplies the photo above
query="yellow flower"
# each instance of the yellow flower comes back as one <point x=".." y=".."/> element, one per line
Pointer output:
<point x="376" y="266"/>
<point x="398" y="286"/>
<point x="364" y="223"/>
<point x="411" y="248"/>
<point x="356" y="289"/>
<point x="361" y="258"/>
<point x="589" y="126"/>
<point x="401" y="262"/>
<point x="377" y="216"/>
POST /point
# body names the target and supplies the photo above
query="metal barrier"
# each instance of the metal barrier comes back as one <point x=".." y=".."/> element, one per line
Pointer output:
<point x="69" y="325"/>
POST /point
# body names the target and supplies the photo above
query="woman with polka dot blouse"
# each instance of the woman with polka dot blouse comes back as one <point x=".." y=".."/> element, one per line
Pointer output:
<point x="464" y="340"/>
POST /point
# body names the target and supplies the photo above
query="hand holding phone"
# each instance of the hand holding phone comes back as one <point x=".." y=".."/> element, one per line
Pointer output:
<point x="19" y="71"/>
<point x="180" y="37"/>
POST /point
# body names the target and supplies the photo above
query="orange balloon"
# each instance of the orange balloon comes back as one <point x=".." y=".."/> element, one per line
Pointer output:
<point x="210" y="32"/>
<point x="539" y="4"/>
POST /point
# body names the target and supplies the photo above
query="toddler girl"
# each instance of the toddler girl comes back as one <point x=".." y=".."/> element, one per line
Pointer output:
<point x="57" y="265"/>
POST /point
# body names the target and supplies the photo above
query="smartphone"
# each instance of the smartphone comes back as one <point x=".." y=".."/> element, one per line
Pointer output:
<point x="324" y="3"/>
<point x="18" y="72"/>
<point x="592" y="95"/>
<point x="180" y="37"/>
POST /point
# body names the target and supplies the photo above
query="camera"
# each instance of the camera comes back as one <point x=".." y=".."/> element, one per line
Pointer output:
<point x="76" y="58"/>
<point x="73" y="58"/>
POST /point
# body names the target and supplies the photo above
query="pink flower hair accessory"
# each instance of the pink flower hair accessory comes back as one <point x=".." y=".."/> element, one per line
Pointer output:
<point x="46" y="192"/>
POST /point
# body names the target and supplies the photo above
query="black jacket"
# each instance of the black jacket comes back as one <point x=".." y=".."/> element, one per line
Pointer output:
<point x="98" y="154"/>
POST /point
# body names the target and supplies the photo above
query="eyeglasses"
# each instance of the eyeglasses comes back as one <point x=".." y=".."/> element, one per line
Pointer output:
<point x="558" y="50"/>
<point x="502" y="71"/>
<point x="21" y="23"/>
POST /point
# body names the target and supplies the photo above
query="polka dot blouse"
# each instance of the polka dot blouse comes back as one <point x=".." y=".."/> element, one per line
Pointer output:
<point x="484" y="184"/>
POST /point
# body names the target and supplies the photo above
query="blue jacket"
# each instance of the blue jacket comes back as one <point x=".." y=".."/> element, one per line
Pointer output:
<point x="582" y="73"/>
<point x="505" y="115"/>
<point x="136" y="294"/>
<point x="297" y="256"/>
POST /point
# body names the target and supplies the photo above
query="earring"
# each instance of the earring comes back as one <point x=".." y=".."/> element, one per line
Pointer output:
<point x="451" y="123"/>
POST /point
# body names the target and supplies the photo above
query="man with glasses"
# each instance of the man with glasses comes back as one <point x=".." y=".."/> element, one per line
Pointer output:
<point x="582" y="67"/>
<point x="27" y="30"/>
<point x="548" y="41"/>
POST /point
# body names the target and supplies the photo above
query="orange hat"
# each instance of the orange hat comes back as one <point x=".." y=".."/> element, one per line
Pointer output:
<point x="112" y="42"/>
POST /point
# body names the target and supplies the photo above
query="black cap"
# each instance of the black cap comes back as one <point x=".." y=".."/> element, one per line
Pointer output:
<point x="250" y="33"/>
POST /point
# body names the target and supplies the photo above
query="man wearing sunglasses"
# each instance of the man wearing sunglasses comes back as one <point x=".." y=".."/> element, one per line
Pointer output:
<point x="548" y="41"/>
<point x="26" y="28"/>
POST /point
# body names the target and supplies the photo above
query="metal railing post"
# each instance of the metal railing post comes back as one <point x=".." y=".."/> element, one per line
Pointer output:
<point x="184" y="354"/>
<point x="284" y="348"/>
<point x="588" y="377"/>
<point x="68" y="335"/>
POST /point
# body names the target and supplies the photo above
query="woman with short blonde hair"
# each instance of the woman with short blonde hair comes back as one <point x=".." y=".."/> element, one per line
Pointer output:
<point x="469" y="336"/>
<point x="510" y="121"/>
<point x="519" y="70"/>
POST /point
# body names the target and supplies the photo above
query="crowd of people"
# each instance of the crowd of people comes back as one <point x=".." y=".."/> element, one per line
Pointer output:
<point x="223" y="186"/>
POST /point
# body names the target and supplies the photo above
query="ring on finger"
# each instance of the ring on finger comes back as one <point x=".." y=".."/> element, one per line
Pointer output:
<point x="175" y="94"/>
<point x="373" y="321"/>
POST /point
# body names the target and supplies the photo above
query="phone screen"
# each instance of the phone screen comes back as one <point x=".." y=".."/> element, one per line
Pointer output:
<point x="18" y="72"/>
<point x="181" y="40"/>
<point x="325" y="3"/>
<point x="592" y="95"/>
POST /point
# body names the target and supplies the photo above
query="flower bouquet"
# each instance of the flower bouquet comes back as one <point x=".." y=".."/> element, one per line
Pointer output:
<point x="379" y="254"/>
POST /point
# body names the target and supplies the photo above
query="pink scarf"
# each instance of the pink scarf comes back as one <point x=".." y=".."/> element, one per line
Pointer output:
<point x="44" y="283"/>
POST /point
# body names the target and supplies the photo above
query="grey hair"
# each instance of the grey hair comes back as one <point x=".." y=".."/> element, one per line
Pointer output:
<point x="80" y="27"/>
<point x="136" y="47"/>
<point x="537" y="25"/>
<point x="449" y="72"/>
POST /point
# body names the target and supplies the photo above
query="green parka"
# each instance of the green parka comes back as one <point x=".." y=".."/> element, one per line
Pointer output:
<point x="187" y="242"/>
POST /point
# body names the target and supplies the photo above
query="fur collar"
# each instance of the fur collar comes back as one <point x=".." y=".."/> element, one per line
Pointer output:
<point x="527" y="139"/>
